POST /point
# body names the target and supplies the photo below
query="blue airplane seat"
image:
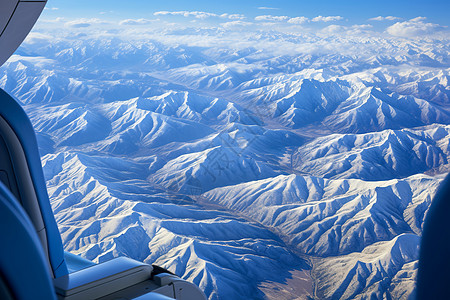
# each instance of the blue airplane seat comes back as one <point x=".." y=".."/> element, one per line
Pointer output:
<point x="24" y="272"/>
<point x="21" y="172"/>
<point x="433" y="278"/>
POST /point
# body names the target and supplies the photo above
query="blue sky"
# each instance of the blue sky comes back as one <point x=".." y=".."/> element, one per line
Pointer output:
<point x="355" y="11"/>
<point x="400" y="18"/>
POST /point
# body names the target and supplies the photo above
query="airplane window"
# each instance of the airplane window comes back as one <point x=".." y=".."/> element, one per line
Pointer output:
<point x="279" y="151"/>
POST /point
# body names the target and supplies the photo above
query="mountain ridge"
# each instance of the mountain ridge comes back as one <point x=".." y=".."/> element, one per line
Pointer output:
<point x="301" y="171"/>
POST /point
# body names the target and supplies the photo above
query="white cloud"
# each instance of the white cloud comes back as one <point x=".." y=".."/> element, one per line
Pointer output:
<point x="347" y="30"/>
<point x="298" y="20"/>
<point x="199" y="14"/>
<point x="35" y="37"/>
<point x="51" y="8"/>
<point x="327" y="19"/>
<point x="196" y="14"/>
<point x="56" y="20"/>
<point x="333" y="29"/>
<point x="387" y="18"/>
<point x="106" y="12"/>
<point x="202" y="14"/>
<point x="350" y="39"/>
<point x="268" y="8"/>
<point x="233" y="16"/>
<point x="271" y="18"/>
<point x="234" y="24"/>
<point x="83" y="23"/>
<point x="136" y="22"/>
<point x="165" y="13"/>
<point x="418" y="19"/>
<point x="413" y="28"/>
<point x="362" y="26"/>
<point x="358" y="29"/>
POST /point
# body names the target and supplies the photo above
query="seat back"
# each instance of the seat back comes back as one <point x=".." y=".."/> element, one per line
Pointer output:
<point x="21" y="172"/>
<point x="433" y="278"/>
<point x="24" y="271"/>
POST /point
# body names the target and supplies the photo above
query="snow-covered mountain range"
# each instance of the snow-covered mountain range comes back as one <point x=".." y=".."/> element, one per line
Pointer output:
<point x="254" y="173"/>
